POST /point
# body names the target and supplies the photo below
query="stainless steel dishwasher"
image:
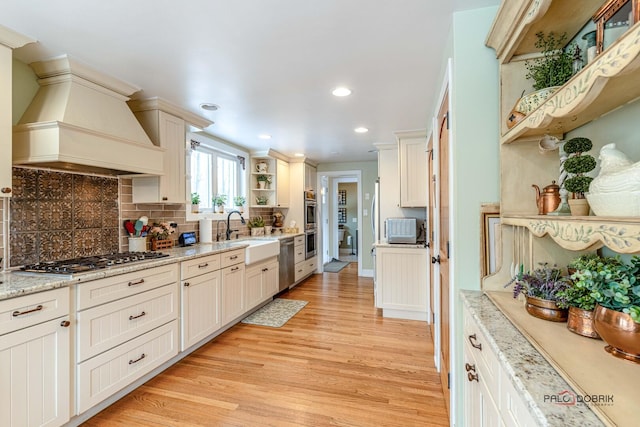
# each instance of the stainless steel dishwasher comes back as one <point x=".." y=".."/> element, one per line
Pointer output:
<point x="286" y="263"/>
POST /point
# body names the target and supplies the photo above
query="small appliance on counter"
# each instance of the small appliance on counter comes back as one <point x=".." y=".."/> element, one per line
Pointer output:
<point x="402" y="230"/>
<point x="187" y="239"/>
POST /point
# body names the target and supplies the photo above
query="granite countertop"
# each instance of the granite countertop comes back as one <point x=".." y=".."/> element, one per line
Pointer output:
<point x="14" y="283"/>
<point x="529" y="372"/>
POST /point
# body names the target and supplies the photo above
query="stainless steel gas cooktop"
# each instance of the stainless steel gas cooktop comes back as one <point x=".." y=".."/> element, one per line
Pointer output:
<point x="85" y="264"/>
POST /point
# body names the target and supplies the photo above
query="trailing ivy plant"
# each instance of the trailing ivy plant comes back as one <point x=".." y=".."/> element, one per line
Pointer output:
<point x="555" y="66"/>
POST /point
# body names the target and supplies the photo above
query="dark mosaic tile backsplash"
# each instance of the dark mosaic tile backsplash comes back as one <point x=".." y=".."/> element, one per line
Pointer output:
<point x="57" y="215"/>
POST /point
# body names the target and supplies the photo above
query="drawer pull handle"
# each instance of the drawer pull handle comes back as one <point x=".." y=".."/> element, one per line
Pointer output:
<point x="20" y="313"/>
<point x="65" y="323"/>
<point x="469" y="367"/>
<point x="472" y="377"/>
<point x="265" y="269"/>
<point x="5" y="190"/>
<point x="142" y="356"/>
<point x="139" y="282"/>
<point x="187" y="284"/>
<point x="206" y="264"/>
<point x="235" y="268"/>
<point x="139" y="315"/>
<point x="233" y="257"/>
<point x="472" y="340"/>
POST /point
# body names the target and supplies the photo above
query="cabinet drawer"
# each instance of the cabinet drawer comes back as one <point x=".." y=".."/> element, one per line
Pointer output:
<point x="512" y="408"/>
<point x="28" y="310"/>
<point x="298" y="240"/>
<point x="300" y="271"/>
<point x="487" y="364"/>
<point x="232" y="257"/>
<point x="105" y="374"/>
<point x="298" y="253"/>
<point x="115" y="288"/>
<point x="106" y="326"/>
<point x="311" y="265"/>
<point x="198" y="266"/>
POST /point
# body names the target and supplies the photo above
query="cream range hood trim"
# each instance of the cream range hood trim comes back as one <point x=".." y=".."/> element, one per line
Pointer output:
<point x="83" y="123"/>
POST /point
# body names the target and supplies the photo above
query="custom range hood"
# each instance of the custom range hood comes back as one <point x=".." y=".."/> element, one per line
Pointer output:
<point x="79" y="120"/>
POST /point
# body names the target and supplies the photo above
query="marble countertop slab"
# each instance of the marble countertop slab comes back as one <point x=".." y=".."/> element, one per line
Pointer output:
<point x="529" y="372"/>
<point x="14" y="283"/>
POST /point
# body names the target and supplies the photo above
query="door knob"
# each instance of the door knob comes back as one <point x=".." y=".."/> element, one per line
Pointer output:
<point x="435" y="260"/>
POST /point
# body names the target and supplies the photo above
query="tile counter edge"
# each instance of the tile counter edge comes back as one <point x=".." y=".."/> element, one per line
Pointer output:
<point x="16" y="284"/>
<point x="529" y="372"/>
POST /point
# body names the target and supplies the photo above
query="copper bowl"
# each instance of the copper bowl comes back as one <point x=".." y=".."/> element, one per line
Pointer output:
<point x="546" y="309"/>
<point x="619" y="331"/>
<point x="581" y="322"/>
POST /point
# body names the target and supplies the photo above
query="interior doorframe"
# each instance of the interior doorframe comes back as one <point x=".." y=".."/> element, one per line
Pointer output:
<point x="332" y="201"/>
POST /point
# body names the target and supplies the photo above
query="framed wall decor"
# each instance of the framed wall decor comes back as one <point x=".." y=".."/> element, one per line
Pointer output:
<point x="613" y="19"/>
<point x="342" y="215"/>
<point x="342" y="197"/>
<point x="490" y="238"/>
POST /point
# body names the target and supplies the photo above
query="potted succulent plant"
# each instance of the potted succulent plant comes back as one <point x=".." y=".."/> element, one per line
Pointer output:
<point x="576" y="166"/>
<point x="219" y="201"/>
<point x="263" y="180"/>
<point x="256" y="225"/>
<point x="239" y="202"/>
<point x="540" y="288"/>
<point x="195" y="202"/>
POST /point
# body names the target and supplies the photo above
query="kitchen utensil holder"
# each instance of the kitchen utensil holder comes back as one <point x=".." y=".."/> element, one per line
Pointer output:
<point x="137" y="244"/>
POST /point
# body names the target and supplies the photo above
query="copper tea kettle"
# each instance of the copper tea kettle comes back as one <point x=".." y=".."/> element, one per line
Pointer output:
<point x="549" y="199"/>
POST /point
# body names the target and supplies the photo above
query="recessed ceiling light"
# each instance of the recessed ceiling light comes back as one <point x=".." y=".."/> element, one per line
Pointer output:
<point x="209" y="106"/>
<point x="264" y="136"/>
<point x="361" y="130"/>
<point x="341" y="91"/>
<point x="298" y="154"/>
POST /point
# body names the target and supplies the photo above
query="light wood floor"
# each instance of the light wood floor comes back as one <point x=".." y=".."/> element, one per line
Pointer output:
<point x="336" y="363"/>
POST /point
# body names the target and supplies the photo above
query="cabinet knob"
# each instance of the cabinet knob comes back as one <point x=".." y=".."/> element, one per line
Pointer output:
<point x="5" y="190"/>
<point x="472" y="340"/>
<point x="65" y="323"/>
<point x="187" y="284"/>
<point x="472" y="377"/>
<point x="165" y="198"/>
<point x="469" y="367"/>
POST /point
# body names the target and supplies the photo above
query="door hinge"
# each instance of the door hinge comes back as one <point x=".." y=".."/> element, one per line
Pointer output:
<point x="447" y="120"/>
<point x="448" y="253"/>
<point x="449" y="380"/>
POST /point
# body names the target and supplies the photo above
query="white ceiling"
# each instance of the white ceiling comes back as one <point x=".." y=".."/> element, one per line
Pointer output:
<point x="269" y="64"/>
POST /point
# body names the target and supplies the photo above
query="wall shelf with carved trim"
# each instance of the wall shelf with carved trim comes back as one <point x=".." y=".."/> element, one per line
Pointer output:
<point x="620" y="234"/>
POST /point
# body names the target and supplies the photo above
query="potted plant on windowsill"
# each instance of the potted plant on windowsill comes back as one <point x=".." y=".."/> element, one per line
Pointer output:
<point x="577" y="165"/>
<point x="219" y="201"/>
<point x="239" y="202"/>
<point x="540" y="288"/>
<point x="195" y="202"/>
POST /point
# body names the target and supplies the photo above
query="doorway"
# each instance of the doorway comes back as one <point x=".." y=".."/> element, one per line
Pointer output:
<point x="336" y="187"/>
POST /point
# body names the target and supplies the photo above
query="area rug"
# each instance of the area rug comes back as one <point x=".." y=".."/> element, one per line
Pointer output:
<point x="334" y="266"/>
<point x="276" y="313"/>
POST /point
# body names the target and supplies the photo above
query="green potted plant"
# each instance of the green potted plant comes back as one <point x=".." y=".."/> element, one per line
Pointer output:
<point x="579" y="298"/>
<point x="540" y="288"/>
<point x="219" y="201"/>
<point x="263" y="180"/>
<point x="616" y="289"/>
<point x="256" y="225"/>
<point x="576" y="166"/>
<point x="195" y="202"/>
<point x="548" y="72"/>
<point x="262" y="200"/>
<point x="239" y="202"/>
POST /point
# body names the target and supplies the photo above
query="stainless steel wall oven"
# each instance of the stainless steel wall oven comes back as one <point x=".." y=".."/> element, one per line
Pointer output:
<point x="310" y="243"/>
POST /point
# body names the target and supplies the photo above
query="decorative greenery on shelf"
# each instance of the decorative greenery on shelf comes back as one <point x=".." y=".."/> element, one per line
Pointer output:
<point x="239" y="201"/>
<point x="577" y="164"/>
<point x="195" y="199"/>
<point x="219" y="200"/>
<point x="544" y="282"/>
<point x="555" y="67"/>
<point x="262" y="200"/>
<point x="265" y="178"/>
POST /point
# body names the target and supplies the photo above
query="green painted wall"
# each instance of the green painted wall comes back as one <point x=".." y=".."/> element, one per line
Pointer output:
<point x="475" y="154"/>
<point x="369" y="171"/>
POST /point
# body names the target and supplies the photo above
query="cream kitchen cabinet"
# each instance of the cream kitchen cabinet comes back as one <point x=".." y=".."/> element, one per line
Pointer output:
<point x="489" y="397"/>
<point x="261" y="283"/>
<point x="127" y="325"/>
<point x="275" y="166"/>
<point x="412" y="166"/>
<point x="9" y="40"/>
<point x="305" y="269"/>
<point x="35" y="360"/>
<point x="232" y="286"/>
<point x="401" y="281"/>
<point x="310" y="177"/>
<point x="201" y="279"/>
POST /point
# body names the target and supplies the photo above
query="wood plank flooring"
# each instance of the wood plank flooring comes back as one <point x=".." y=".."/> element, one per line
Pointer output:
<point x="338" y="362"/>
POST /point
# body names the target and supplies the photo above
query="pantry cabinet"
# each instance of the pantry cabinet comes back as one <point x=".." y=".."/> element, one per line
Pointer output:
<point x="35" y="360"/>
<point x="412" y="166"/>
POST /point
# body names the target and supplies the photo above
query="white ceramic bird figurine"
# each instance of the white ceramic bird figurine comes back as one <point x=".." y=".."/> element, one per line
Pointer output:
<point x="617" y="173"/>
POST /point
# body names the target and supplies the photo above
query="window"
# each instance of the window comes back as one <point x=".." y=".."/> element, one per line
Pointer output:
<point x="214" y="173"/>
